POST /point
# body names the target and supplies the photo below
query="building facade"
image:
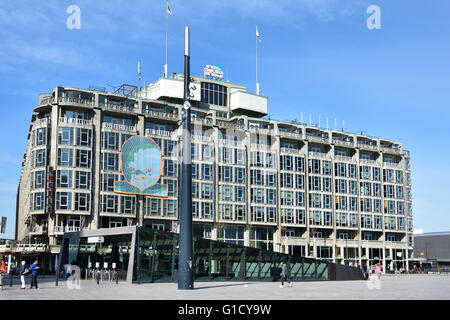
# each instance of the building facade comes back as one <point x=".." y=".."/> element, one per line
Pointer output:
<point x="282" y="186"/>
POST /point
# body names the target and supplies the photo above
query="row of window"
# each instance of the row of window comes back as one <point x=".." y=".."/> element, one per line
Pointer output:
<point x="75" y="136"/>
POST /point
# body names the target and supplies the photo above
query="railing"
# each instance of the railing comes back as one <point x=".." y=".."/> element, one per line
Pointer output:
<point x="264" y="147"/>
<point x="230" y="125"/>
<point x="287" y="134"/>
<point x="343" y="143"/>
<point x="369" y="243"/>
<point x="72" y="229"/>
<point x="318" y="155"/>
<point x="118" y="107"/>
<point x="227" y="142"/>
<point x="262" y="130"/>
<point x="82" y="122"/>
<point x="48" y="100"/>
<point x="391" y="165"/>
<point x="41" y="122"/>
<point x="162" y="133"/>
<point x="342" y="158"/>
<point x="390" y="150"/>
<point x="206" y="121"/>
<point x="161" y="115"/>
<point x="366" y="146"/>
<point x="24" y="247"/>
<point x="368" y="161"/>
<point x="38" y="230"/>
<point x="116" y="126"/>
<point x="317" y="139"/>
<point x="290" y="151"/>
<point x="76" y="101"/>
<point x="58" y="229"/>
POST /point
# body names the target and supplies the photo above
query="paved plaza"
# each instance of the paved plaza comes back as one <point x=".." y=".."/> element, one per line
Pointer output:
<point x="392" y="287"/>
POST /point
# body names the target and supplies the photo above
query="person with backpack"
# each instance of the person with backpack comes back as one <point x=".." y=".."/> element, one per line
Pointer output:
<point x="23" y="272"/>
<point x="378" y="269"/>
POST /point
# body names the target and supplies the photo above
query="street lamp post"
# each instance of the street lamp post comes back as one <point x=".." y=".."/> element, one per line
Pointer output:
<point x="185" y="261"/>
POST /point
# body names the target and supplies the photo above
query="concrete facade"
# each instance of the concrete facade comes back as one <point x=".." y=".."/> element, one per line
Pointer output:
<point x="284" y="186"/>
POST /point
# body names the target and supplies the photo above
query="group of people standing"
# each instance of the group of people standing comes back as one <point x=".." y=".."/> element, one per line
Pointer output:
<point x="24" y="270"/>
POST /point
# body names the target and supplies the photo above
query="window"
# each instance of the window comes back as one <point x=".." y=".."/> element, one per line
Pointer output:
<point x="240" y="156"/>
<point x="207" y="210"/>
<point x="326" y="167"/>
<point x="83" y="159"/>
<point x="258" y="214"/>
<point x="41" y="136"/>
<point x="64" y="200"/>
<point x="226" y="155"/>
<point x="38" y="201"/>
<point x="300" y="164"/>
<point x="65" y="135"/>
<point x="82" y="201"/>
<point x="64" y="179"/>
<point x="240" y="212"/>
<point x="226" y="174"/>
<point x="111" y="141"/>
<point x="195" y="173"/>
<point x="172" y="186"/>
<point x="127" y="204"/>
<point x="213" y="93"/>
<point x="153" y="206"/>
<point x="170" y="168"/>
<point x="170" y="148"/>
<point x="257" y="177"/>
<point x="300" y="199"/>
<point x="109" y="203"/>
<point x="286" y="163"/>
<point x="271" y="196"/>
<point x="207" y="172"/>
<point x="271" y="214"/>
<point x="287" y="180"/>
<point x="239" y="194"/>
<point x="40" y="158"/>
<point x="111" y="161"/>
<point x="84" y="137"/>
<point x="39" y="179"/>
<point x="226" y="213"/>
<point x="226" y="193"/>
<point x="207" y="191"/>
<point x="352" y="171"/>
<point x="65" y="157"/>
<point x="314" y="166"/>
<point x="327" y="184"/>
<point x="300" y="181"/>
<point x="108" y="181"/>
<point x="239" y="175"/>
<point x="287" y="198"/>
<point x="170" y="208"/>
<point x="208" y="152"/>
<point x="271" y="179"/>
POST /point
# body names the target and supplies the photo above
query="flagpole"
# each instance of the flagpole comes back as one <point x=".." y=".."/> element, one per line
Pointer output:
<point x="256" y="43"/>
<point x="167" y="32"/>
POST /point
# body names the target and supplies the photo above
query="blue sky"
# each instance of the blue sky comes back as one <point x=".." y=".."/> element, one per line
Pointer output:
<point x="316" y="56"/>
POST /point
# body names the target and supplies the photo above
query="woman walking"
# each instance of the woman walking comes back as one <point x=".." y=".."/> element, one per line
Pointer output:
<point x="378" y="270"/>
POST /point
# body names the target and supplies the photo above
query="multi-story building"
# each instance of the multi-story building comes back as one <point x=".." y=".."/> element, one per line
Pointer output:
<point x="285" y="186"/>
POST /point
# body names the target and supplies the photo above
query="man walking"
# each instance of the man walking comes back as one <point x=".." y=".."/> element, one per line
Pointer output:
<point x="34" y="272"/>
<point x="284" y="274"/>
<point x="2" y="271"/>
<point x="23" y="272"/>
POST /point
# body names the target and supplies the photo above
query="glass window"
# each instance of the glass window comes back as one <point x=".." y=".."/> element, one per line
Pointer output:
<point x="82" y="201"/>
<point x="64" y="179"/>
<point x="65" y="157"/>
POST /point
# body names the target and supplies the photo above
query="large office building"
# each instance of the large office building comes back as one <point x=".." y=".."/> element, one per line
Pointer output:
<point x="282" y="186"/>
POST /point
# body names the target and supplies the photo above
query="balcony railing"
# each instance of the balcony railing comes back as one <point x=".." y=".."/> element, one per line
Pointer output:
<point x="45" y="101"/>
<point x="263" y="147"/>
<point x="391" y="150"/>
<point x="290" y="151"/>
<point x="72" y="229"/>
<point x="318" y="155"/>
<point x="161" y="133"/>
<point x="58" y="229"/>
<point x="161" y="115"/>
<point x="263" y="131"/>
<point x="368" y="161"/>
<point x="81" y="122"/>
<point x="230" y="125"/>
<point x="76" y="101"/>
<point x="342" y="158"/>
<point x="120" y="127"/>
<point x="199" y="120"/>
<point x="343" y="143"/>
<point x="391" y="165"/>
<point x="292" y="135"/>
<point x="38" y="230"/>
<point x="233" y="143"/>
<point x="367" y="146"/>
<point x="317" y="139"/>
<point x="41" y="122"/>
<point x="118" y="107"/>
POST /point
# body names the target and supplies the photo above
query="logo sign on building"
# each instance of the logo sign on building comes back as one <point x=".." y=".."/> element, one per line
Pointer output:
<point x="3" y="225"/>
<point x="213" y="72"/>
<point x="142" y="165"/>
<point x="50" y="194"/>
<point x="95" y="240"/>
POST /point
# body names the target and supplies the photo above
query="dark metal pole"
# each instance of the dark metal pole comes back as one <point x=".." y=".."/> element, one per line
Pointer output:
<point x="185" y="258"/>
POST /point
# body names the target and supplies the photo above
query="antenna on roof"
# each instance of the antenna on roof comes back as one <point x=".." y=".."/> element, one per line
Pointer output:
<point x="139" y="73"/>
<point x="310" y="121"/>
<point x="335" y="124"/>
<point x="327" y="123"/>
<point x="343" y="125"/>
<point x="319" y="122"/>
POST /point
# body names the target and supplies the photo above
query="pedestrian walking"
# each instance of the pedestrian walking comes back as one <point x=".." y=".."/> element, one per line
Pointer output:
<point x="2" y="271"/>
<point x="34" y="273"/>
<point x="284" y="274"/>
<point x="365" y="271"/>
<point x="378" y="270"/>
<point x="23" y="272"/>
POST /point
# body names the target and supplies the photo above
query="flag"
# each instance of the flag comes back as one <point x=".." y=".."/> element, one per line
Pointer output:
<point x="169" y="11"/>
<point x="257" y="35"/>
